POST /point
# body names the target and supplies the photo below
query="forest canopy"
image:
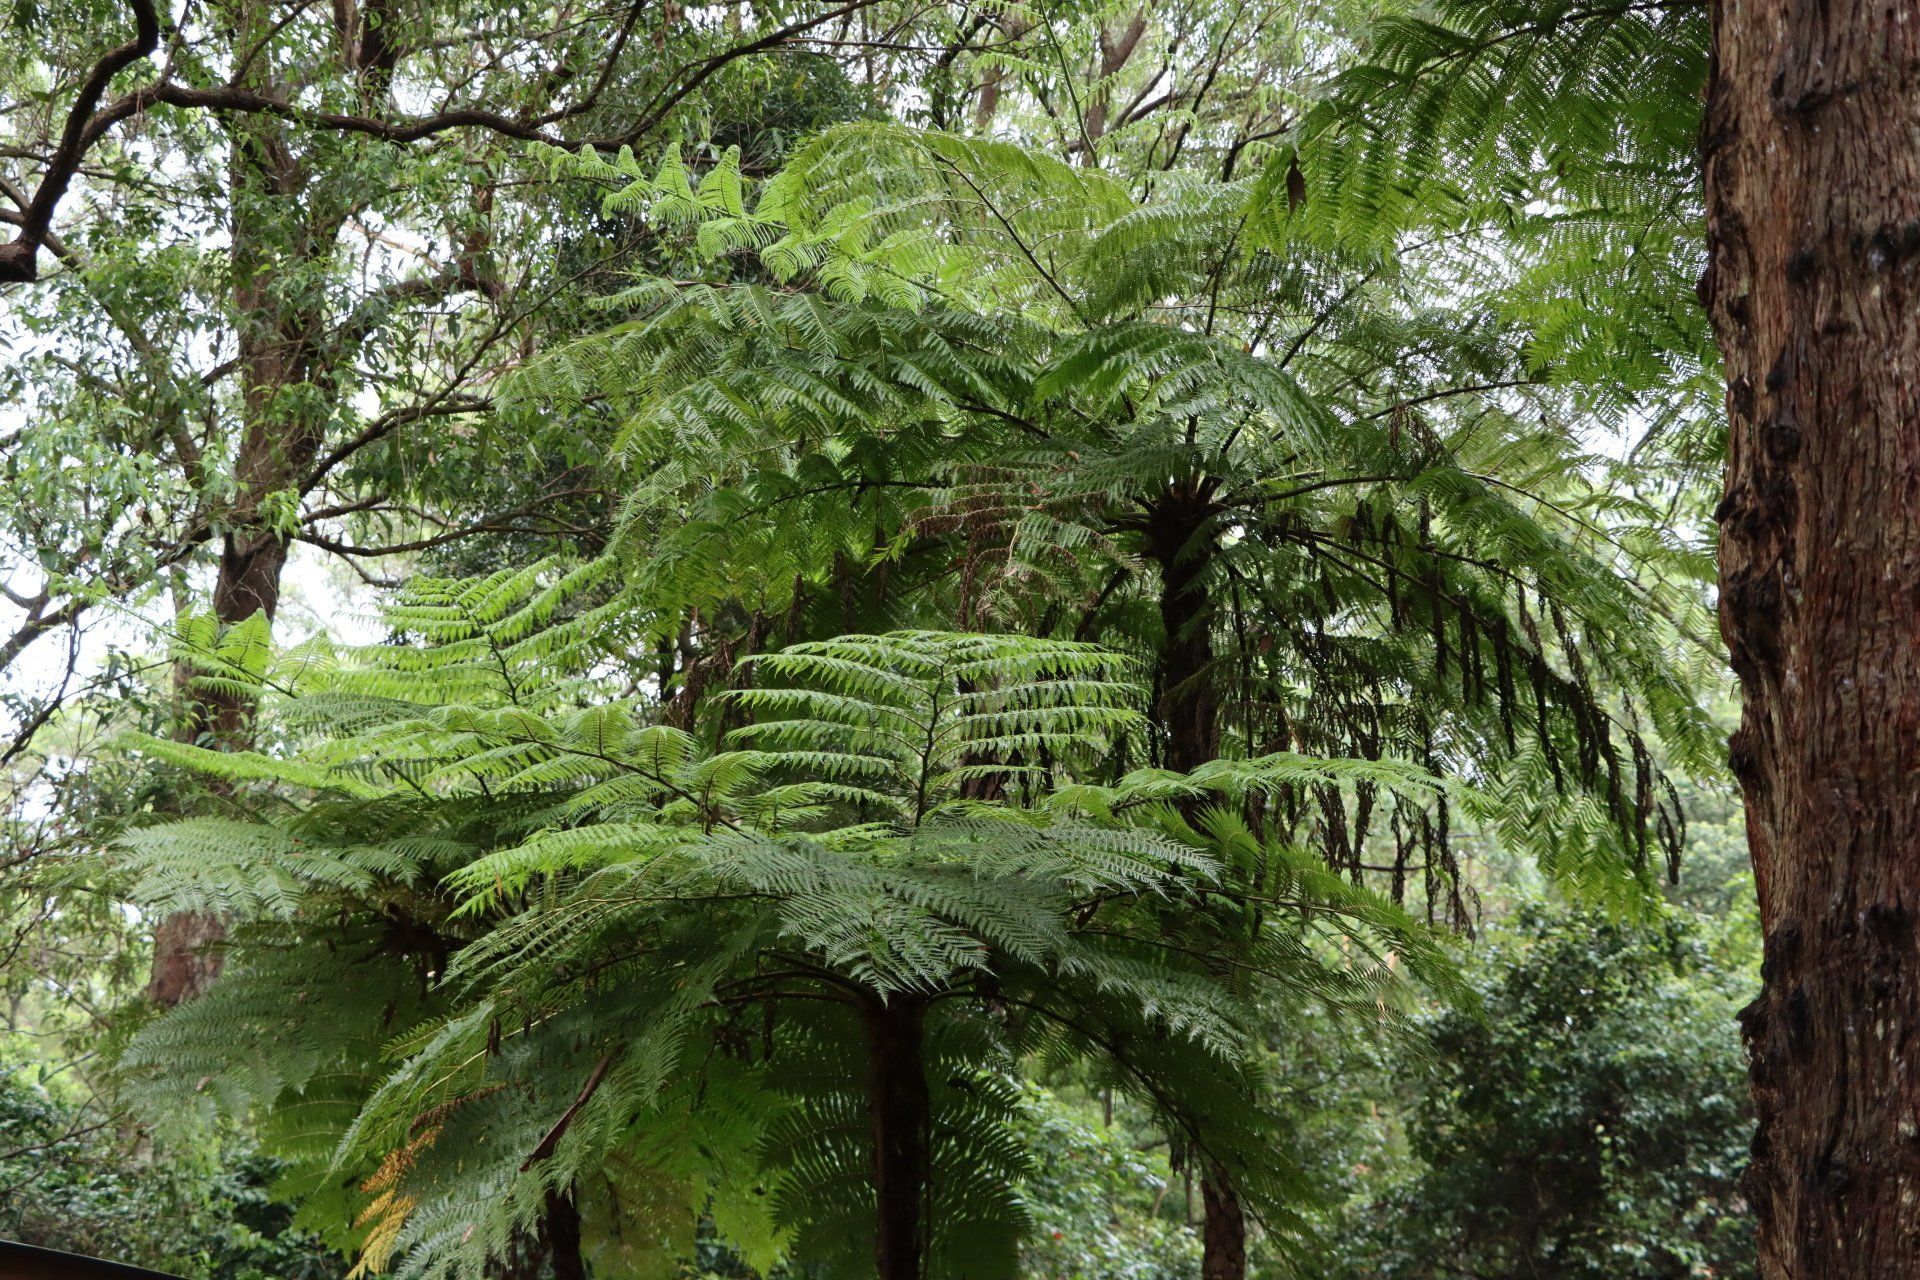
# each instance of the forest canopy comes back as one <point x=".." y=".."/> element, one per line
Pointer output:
<point x="805" y="640"/>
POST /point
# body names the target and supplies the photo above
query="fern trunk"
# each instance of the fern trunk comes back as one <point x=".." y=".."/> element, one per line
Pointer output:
<point x="1813" y="190"/>
<point x="900" y="1113"/>
<point x="1224" y="1231"/>
<point x="1180" y="541"/>
<point x="561" y="1229"/>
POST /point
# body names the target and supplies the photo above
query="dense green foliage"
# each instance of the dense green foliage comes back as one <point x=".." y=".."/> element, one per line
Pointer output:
<point x="969" y="608"/>
<point x="73" y="1181"/>
<point x="1191" y="416"/>
<point x="1591" y="1122"/>
<point x="633" y="903"/>
<point x="1099" y="1204"/>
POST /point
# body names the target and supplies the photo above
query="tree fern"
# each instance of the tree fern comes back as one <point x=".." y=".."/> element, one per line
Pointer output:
<point x="1344" y="501"/>
<point x="1565" y="137"/>
<point x="600" y="945"/>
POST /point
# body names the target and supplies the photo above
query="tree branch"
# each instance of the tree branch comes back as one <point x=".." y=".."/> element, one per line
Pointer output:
<point x="88" y="121"/>
<point x="18" y="257"/>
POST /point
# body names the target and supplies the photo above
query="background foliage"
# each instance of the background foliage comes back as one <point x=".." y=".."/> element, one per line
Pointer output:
<point x="1303" y="405"/>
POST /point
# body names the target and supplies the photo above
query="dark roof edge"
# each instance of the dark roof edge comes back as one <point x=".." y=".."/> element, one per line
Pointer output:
<point x="28" y="1262"/>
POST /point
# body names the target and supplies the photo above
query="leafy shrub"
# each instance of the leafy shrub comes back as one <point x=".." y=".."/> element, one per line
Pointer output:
<point x="70" y="1181"/>
<point x="1590" y="1123"/>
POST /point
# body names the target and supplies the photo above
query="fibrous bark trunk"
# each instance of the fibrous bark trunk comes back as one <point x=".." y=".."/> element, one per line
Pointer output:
<point x="1223" y="1233"/>
<point x="900" y="1112"/>
<point x="1180" y="543"/>
<point x="1812" y="166"/>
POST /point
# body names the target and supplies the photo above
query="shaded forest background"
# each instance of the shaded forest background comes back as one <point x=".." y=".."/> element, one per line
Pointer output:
<point x="399" y="396"/>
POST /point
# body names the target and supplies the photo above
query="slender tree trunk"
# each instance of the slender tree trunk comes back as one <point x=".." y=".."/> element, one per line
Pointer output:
<point x="1116" y="50"/>
<point x="901" y="1115"/>
<point x="1813" y="190"/>
<point x="276" y="233"/>
<point x="1180" y="542"/>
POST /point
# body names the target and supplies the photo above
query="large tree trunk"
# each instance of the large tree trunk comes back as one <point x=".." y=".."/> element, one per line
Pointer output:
<point x="900" y="1111"/>
<point x="185" y="956"/>
<point x="186" y="945"/>
<point x="1813" y="190"/>
<point x="1179" y="538"/>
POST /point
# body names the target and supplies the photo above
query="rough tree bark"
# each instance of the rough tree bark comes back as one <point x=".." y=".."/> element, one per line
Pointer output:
<point x="901" y="1112"/>
<point x="1223" y="1230"/>
<point x="1179" y="540"/>
<point x="1812" y="165"/>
